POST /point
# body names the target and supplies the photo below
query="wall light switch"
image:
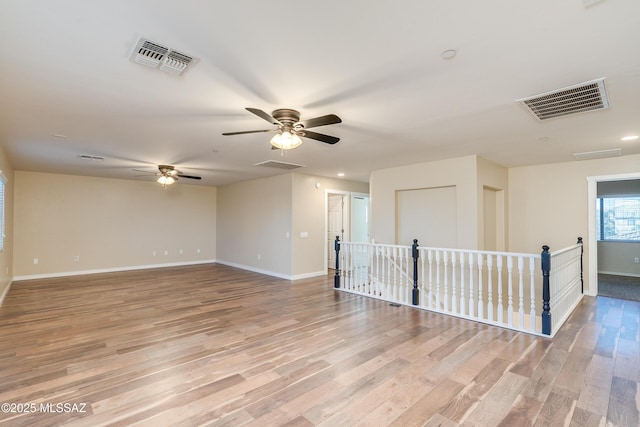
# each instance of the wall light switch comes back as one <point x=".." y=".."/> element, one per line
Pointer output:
<point x="304" y="234"/>
<point x="35" y="260"/>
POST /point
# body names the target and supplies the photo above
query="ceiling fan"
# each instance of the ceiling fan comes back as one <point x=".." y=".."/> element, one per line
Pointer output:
<point x="290" y="128"/>
<point x="168" y="174"/>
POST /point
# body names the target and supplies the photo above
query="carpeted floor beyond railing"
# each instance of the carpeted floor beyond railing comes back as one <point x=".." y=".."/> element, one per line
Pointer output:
<point x="622" y="287"/>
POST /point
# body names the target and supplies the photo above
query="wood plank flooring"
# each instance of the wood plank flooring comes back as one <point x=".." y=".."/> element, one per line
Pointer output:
<point x="213" y="345"/>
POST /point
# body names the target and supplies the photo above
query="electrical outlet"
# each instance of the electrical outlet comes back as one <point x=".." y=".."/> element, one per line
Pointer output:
<point x="259" y="257"/>
<point x="35" y="260"/>
<point x="180" y="252"/>
<point x="166" y="252"/>
<point x="76" y="258"/>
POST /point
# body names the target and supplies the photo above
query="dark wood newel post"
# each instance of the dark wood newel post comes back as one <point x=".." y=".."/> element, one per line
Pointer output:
<point x="581" y="267"/>
<point x="546" y="306"/>
<point x="414" y="253"/>
<point x="336" y="278"/>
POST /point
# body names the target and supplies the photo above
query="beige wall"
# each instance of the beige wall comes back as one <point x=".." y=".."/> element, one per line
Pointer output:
<point x="6" y="256"/>
<point x="108" y="224"/>
<point x="260" y="223"/>
<point x="548" y="204"/>
<point x="254" y="225"/>
<point x="309" y="213"/>
<point x="619" y="258"/>
<point x="459" y="173"/>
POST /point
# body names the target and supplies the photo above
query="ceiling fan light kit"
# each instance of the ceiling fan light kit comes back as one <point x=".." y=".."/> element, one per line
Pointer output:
<point x="166" y="180"/>
<point x="290" y="129"/>
<point x="286" y="141"/>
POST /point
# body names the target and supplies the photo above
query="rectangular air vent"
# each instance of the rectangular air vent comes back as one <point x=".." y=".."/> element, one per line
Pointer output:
<point x="90" y="157"/>
<point x="175" y="62"/>
<point x="278" y="165"/>
<point x="154" y="55"/>
<point x="589" y="155"/>
<point x="148" y="53"/>
<point x="582" y="97"/>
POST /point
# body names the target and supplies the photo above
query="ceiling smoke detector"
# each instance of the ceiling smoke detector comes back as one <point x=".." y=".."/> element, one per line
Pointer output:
<point x="154" y="55"/>
<point x="587" y="96"/>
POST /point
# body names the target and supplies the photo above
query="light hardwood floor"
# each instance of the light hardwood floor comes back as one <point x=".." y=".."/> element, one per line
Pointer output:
<point x="214" y="345"/>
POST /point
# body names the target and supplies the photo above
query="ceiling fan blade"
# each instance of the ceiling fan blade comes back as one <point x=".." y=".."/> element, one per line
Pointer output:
<point x="248" y="131"/>
<point x="329" y="119"/>
<point x="319" y="137"/>
<point x="188" y="176"/>
<point x="263" y="115"/>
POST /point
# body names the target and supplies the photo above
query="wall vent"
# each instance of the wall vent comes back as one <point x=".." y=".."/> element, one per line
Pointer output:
<point x="278" y="165"/>
<point x="590" y="155"/>
<point x="154" y="55"/>
<point x="582" y="97"/>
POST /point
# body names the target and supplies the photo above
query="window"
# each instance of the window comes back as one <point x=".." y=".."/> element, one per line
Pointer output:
<point x="618" y="218"/>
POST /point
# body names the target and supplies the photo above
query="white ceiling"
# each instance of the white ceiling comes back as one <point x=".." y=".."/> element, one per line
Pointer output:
<point x="65" y="70"/>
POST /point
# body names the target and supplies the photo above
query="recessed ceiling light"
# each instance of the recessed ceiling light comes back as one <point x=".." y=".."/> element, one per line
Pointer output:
<point x="448" y="54"/>
<point x="340" y="173"/>
<point x="629" y="138"/>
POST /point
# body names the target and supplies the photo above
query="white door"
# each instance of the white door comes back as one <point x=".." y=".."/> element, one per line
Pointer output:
<point x="360" y="215"/>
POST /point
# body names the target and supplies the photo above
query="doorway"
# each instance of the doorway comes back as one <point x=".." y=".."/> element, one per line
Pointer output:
<point x="592" y="238"/>
<point x="348" y="217"/>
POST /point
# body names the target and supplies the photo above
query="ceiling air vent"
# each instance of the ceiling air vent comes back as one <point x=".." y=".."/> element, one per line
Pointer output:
<point x="175" y="62"/>
<point x="278" y="165"/>
<point x="590" y="155"/>
<point x="582" y="97"/>
<point x="154" y="55"/>
<point x="148" y="53"/>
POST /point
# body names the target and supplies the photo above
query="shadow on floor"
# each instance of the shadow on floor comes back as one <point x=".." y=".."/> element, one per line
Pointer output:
<point x="621" y="287"/>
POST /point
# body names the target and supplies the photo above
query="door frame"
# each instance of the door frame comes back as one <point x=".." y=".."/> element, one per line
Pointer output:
<point x="347" y="221"/>
<point x="346" y="201"/>
<point x="592" y="238"/>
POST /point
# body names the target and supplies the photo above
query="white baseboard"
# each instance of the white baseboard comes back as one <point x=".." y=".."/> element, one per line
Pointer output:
<point x="6" y="291"/>
<point x="310" y="275"/>
<point x="616" y="273"/>
<point x="111" y="270"/>
<point x="255" y="270"/>
<point x="272" y="273"/>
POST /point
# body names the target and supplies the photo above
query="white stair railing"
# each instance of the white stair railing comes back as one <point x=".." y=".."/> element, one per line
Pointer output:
<point x="498" y="288"/>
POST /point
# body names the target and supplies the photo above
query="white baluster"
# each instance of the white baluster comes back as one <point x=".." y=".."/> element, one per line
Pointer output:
<point x="408" y="288"/>
<point x="454" y="302"/>
<point x="423" y="289"/>
<point x="480" y="296"/>
<point x="389" y="277"/>
<point x="463" y="303"/>
<point x="490" y="287"/>
<point x="521" y="292"/>
<point x="430" y="300"/>
<point x="510" y="291"/>
<point x="471" y="293"/>
<point x="437" y="280"/>
<point x="445" y="256"/>
<point x="532" y="293"/>
<point x="395" y="274"/>
<point x="500" y="308"/>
